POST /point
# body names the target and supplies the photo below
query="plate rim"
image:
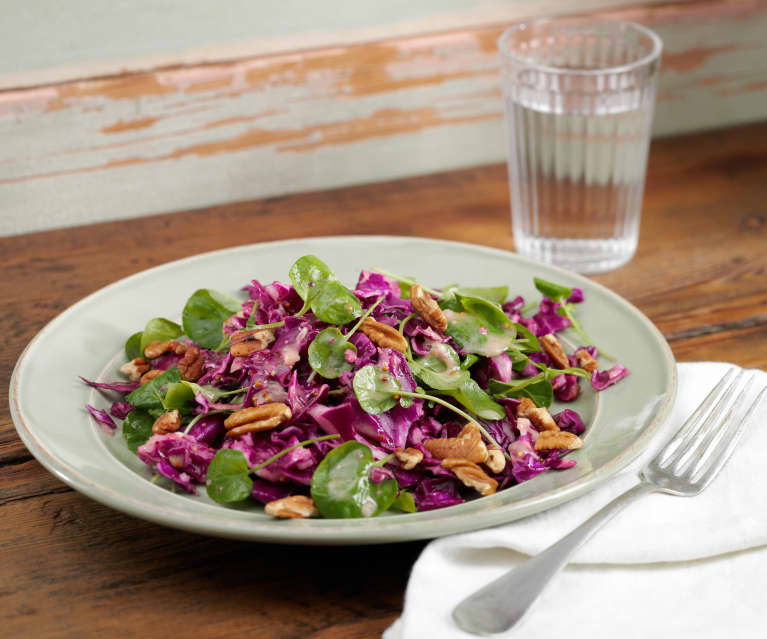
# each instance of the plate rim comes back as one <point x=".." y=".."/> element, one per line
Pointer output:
<point x="388" y="529"/>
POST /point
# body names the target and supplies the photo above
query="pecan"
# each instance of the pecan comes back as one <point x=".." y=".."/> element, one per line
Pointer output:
<point x="384" y="335"/>
<point x="190" y="365"/>
<point x="554" y="350"/>
<point x="550" y="440"/>
<point x="257" y="418"/>
<point x="471" y="475"/>
<point x="167" y="423"/>
<point x="409" y="458"/>
<point x="495" y="461"/>
<point x="293" y="507"/>
<point x="155" y="349"/>
<point x="246" y="342"/>
<point x="540" y="417"/>
<point x="150" y="375"/>
<point x="135" y="368"/>
<point x="427" y="308"/>
<point x="585" y="360"/>
<point x="468" y="445"/>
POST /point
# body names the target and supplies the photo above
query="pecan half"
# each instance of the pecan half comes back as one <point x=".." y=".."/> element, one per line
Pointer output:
<point x="585" y="360"/>
<point x="166" y="423"/>
<point x="134" y="369"/>
<point x="554" y="350"/>
<point x="540" y="417"/>
<point x="256" y="419"/>
<point x="246" y="342"/>
<point x="293" y="507"/>
<point x="155" y="349"/>
<point x="384" y="335"/>
<point x="427" y="308"/>
<point x="551" y="440"/>
<point x="471" y="475"/>
<point x="495" y="461"/>
<point x="409" y="458"/>
<point x="190" y="365"/>
<point x="468" y="445"/>
<point x="150" y="375"/>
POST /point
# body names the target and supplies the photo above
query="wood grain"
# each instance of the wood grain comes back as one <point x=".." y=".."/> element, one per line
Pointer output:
<point x="309" y="119"/>
<point x="70" y="567"/>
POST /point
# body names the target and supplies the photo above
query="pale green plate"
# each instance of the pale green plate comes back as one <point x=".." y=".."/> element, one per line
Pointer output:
<point x="47" y="398"/>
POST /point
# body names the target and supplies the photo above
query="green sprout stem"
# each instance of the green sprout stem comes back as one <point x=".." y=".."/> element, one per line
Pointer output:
<point x="575" y="325"/>
<point x="456" y="410"/>
<point x="365" y="315"/>
<point x="274" y="458"/>
<point x="385" y="460"/>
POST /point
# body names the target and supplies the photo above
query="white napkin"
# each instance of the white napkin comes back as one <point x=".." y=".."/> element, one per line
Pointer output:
<point x="664" y="567"/>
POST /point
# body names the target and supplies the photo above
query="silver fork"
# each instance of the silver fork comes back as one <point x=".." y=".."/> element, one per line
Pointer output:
<point x="685" y="466"/>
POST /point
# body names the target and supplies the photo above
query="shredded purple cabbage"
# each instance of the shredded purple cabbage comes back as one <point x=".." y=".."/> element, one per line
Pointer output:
<point x="120" y="409"/>
<point x="178" y="457"/>
<point x="602" y="379"/>
<point x="280" y="373"/>
<point x="120" y="387"/>
<point x="104" y="420"/>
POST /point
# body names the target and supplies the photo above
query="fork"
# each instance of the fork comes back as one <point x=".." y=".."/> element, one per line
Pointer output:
<point x="684" y="467"/>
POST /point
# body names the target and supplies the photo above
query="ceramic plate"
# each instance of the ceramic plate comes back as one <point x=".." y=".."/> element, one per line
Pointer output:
<point x="87" y="339"/>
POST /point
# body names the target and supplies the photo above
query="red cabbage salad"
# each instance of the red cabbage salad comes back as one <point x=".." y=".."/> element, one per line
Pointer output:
<point x="317" y="400"/>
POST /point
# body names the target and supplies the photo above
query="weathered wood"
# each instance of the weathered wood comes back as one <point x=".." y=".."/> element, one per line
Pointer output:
<point x="145" y="34"/>
<point x="181" y="137"/>
<point x="71" y="567"/>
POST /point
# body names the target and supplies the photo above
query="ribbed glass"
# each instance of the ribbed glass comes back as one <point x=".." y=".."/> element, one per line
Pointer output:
<point x="579" y="98"/>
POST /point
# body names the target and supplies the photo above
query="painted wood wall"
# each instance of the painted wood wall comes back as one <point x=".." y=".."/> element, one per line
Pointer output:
<point x="354" y="108"/>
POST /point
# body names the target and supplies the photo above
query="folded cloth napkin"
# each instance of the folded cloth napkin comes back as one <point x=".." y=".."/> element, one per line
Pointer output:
<point x="664" y="567"/>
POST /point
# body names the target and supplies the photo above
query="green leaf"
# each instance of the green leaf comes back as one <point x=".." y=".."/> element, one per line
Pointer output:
<point x="211" y="393"/>
<point x="554" y="292"/>
<point x="327" y="353"/>
<point x="475" y="335"/>
<point x="158" y="329"/>
<point x="448" y="299"/>
<point x="537" y="388"/>
<point x="151" y="394"/>
<point x="204" y="315"/>
<point x="490" y="313"/>
<point x="440" y="369"/>
<point x="529" y="342"/>
<point x="178" y="395"/>
<point x="494" y="294"/>
<point x="335" y="304"/>
<point x="468" y="361"/>
<point x="133" y="347"/>
<point x="329" y="300"/>
<point x="471" y="396"/>
<point x="375" y="389"/>
<point x="306" y="273"/>
<point x="137" y="428"/>
<point x="228" y="478"/>
<point x="404" y="502"/>
<point x="341" y="486"/>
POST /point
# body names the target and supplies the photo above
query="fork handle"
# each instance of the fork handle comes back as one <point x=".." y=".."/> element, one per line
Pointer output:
<point x="502" y="603"/>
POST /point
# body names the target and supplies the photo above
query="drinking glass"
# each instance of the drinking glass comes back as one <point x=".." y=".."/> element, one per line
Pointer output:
<point x="579" y="97"/>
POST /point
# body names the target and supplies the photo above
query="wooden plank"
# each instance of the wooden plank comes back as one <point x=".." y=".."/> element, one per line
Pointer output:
<point x="71" y="567"/>
<point x="93" y="149"/>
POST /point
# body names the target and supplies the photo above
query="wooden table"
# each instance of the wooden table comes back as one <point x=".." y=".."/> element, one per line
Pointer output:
<point x="70" y="567"/>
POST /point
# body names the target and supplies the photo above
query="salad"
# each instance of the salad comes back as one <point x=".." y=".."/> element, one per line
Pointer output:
<point x="318" y="400"/>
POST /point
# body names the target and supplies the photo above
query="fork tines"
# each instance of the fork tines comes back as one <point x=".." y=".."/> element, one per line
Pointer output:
<point x="708" y="437"/>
